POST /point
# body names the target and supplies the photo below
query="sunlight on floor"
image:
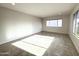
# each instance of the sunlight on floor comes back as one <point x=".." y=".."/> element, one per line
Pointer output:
<point x="36" y="44"/>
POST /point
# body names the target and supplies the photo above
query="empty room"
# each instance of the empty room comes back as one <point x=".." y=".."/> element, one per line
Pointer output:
<point x="39" y="29"/>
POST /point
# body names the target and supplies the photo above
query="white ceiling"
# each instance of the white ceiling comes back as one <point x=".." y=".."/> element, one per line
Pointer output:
<point x="41" y="9"/>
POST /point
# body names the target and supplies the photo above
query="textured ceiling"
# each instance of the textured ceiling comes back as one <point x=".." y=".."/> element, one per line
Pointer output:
<point x="41" y="9"/>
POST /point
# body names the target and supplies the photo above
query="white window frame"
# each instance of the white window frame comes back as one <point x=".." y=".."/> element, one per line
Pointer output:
<point x="57" y="23"/>
<point x="75" y="24"/>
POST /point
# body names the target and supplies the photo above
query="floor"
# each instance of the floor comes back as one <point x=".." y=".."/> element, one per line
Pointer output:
<point x="61" y="45"/>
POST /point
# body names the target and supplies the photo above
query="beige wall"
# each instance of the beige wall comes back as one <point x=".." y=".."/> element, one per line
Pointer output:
<point x="73" y="38"/>
<point x="63" y="29"/>
<point x="14" y="25"/>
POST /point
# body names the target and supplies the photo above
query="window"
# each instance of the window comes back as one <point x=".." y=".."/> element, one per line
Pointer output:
<point x="76" y="24"/>
<point x="54" y="23"/>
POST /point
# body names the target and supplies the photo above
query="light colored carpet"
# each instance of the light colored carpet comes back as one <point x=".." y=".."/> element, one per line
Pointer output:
<point x="59" y="45"/>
